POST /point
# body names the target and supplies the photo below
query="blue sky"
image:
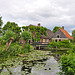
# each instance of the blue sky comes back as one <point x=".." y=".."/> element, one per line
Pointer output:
<point x="49" y="13"/>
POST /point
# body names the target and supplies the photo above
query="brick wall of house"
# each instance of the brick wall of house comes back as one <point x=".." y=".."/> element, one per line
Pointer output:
<point x="59" y="39"/>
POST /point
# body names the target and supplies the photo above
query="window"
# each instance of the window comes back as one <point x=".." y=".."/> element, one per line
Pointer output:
<point x="29" y="41"/>
<point x="56" y="40"/>
<point x="58" y="36"/>
<point x="59" y="39"/>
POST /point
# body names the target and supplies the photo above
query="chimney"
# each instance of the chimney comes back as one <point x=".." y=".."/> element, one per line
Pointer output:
<point x="38" y="24"/>
<point x="63" y="27"/>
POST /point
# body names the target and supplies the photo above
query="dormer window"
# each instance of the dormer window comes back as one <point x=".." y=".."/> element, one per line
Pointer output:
<point x="58" y="36"/>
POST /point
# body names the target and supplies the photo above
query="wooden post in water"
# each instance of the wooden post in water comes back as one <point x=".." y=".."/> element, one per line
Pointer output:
<point x="56" y="48"/>
<point x="56" y="51"/>
<point x="39" y="47"/>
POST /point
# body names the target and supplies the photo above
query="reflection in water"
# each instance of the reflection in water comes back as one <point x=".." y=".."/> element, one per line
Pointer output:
<point x="39" y="67"/>
<point x="50" y="68"/>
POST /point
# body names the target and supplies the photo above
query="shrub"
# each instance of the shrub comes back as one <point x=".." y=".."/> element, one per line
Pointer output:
<point x="60" y="44"/>
<point x="27" y="48"/>
<point x="53" y="44"/>
<point x="68" y="62"/>
<point x="14" y="50"/>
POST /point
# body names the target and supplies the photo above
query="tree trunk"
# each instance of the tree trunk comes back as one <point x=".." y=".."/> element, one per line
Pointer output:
<point x="9" y="45"/>
<point x="6" y="43"/>
<point x="23" y="43"/>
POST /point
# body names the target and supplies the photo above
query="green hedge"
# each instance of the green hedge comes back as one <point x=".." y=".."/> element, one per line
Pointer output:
<point x="60" y="44"/>
<point x="68" y="62"/>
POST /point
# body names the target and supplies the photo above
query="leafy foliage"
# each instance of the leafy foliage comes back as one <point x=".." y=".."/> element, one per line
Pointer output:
<point x="55" y="29"/>
<point x="68" y="62"/>
<point x="8" y="35"/>
<point x="13" y="51"/>
<point x="9" y="26"/>
<point x="26" y="35"/>
<point x="17" y="31"/>
<point x="73" y="33"/>
<point x="25" y="28"/>
<point x="26" y="48"/>
<point x="1" y="22"/>
<point x="37" y="32"/>
<point x="60" y="44"/>
<point x="53" y="44"/>
<point x="14" y="27"/>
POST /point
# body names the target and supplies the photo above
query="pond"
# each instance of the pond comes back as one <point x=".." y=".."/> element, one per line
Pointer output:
<point x="47" y="66"/>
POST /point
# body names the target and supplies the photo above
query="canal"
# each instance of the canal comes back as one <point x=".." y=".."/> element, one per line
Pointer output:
<point x="47" y="66"/>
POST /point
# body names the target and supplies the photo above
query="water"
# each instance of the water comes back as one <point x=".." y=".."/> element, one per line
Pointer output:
<point x="41" y="67"/>
<point x="50" y="67"/>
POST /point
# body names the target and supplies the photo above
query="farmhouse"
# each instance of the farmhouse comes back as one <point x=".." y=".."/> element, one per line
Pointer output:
<point x="61" y="35"/>
<point x="44" y="38"/>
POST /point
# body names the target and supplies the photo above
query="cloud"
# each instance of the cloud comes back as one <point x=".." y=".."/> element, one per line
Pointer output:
<point x="49" y="13"/>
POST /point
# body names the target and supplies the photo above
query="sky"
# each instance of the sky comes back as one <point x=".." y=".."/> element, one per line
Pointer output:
<point x="49" y="13"/>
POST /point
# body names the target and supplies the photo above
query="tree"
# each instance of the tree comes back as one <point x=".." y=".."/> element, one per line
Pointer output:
<point x="55" y="29"/>
<point x="37" y="31"/>
<point x="9" y="26"/>
<point x="1" y="22"/>
<point x="14" y="27"/>
<point x="17" y="31"/>
<point x="25" y="28"/>
<point x="25" y="36"/>
<point x="73" y="35"/>
<point x="9" y="37"/>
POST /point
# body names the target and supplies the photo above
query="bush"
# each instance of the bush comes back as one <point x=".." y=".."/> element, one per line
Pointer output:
<point x="14" y="49"/>
<point x="27" y="48"/>
<point x="60" y="44"/>
<point x="68" y="62"/>
<point x="65" y="44"/>
<point x="52" y="44"/>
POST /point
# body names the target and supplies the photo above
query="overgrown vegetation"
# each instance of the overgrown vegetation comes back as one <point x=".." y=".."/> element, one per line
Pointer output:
<point x="14" y="50"/>
<point x="60" y="44"/>
<point x="9" y="40"/>
<point x="68" y="62"/>
<point x="1" y="23"/>
<point x="25" y="36"/>
<point x="36" y="31"/>
<point x="55" y="29"/>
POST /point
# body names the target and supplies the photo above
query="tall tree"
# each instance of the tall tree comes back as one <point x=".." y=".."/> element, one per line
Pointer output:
<point x="14" y="27"/>
<point x="1" y="22"/>
<point x="17" y="31"/>
<point x="55" y="29"/>
<point x="36" y="31"/>
<point x="25" y="36"/>
<point x="73" y="35"/>
<point x="9" y="26"/>
<point x="8" y="37"/>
